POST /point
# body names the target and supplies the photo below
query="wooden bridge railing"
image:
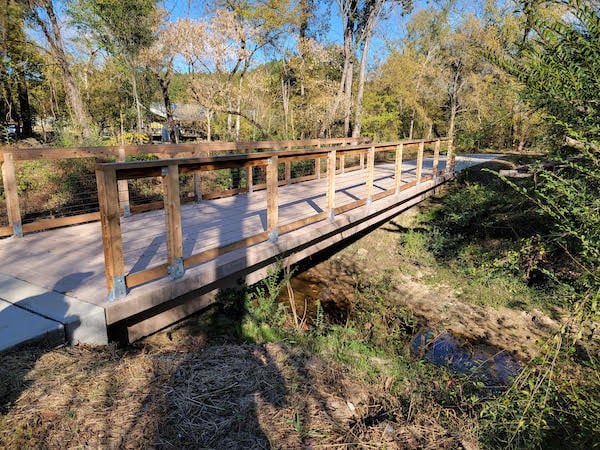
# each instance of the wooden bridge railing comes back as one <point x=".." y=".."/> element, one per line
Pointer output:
<point x="108" y="176"/>
<point x="14" y="194"/>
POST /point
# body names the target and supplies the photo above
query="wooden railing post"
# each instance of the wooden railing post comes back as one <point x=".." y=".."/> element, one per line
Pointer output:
<point x="272" y="198"/>
<point x="288" y="172"/>
<point x="13" y="209"/>
<point x="112" y="241"/>
<point x="450" y="157"/>
<point x="174" y="232"/>
<point x="419" y="170"/>
<point x="123" y="187"/>
<point x="436" y="158"/>
<point x="398" y="168"/>
<point x="250" y="178"/>
<point x="331" y="184"/>
<point x="288" y="165"/>
<point x="318" y="164"/>
<point x="370" y="174"/>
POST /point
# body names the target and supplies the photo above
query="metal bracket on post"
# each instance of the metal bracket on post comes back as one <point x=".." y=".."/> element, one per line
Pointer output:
<point x="331" y="215"/>
<point x="119" y="289"/>
<point x="126" y="211"/>
<point x="17" y="229"/>
<point x="164" y="171"/>
<point x="176" y="270"/>
<point x="274" y="235"/>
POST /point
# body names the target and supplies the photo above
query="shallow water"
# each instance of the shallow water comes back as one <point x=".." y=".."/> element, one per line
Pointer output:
<point x="491" y="365"/>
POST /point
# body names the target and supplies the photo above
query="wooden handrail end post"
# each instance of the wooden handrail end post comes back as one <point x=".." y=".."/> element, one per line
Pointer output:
<point x="11" y="192"/>
<point x="173" y="227"/>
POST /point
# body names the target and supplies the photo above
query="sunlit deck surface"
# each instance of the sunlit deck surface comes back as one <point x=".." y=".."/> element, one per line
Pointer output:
<point x="70" y="260"/>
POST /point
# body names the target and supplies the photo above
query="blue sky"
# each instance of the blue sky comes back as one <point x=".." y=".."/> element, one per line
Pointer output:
<point x="391" y="30"/>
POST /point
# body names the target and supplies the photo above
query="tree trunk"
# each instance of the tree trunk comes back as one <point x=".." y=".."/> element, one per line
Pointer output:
<point x="361" y="88"/>
<point x="348" y="98"/>
<point x="345" y="87"/>
<point x="24" y="106"/>
<point x="286" y="110"/>
<point x="52" y="33"/>
<point x="208" y="126"/>
<point x="164" y="83"/>
<point x="136" y="98"/>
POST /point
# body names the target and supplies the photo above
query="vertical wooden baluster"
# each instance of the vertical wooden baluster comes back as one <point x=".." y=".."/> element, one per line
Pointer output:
<point x="288" y="172"/>
<point x="398" y="168"/>
<point x="9" y="180"/>
<point x="272" y="198"/>
<point x="331" y="184"/>
<point x="173" y="226"/>
<point x="123" y="187"/>
<point x="450" y="157"/>
<point x="250" y="178"/>
<point x="318" y="164"/>
<point x="419" y="170"/>
<point x="370" y="174"/>
<point x="197" y="180"/>
<point x="112" y="240"/>
<point x="288" y="166"/>
<point x="436" y="158"/>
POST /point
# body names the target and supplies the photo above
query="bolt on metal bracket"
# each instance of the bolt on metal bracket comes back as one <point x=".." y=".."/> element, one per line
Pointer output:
<point x="119" y="289"/>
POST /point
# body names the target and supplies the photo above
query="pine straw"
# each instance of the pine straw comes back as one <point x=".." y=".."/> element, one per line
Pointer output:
<point x="87" y="397"/>
<point x="193" y="395"/>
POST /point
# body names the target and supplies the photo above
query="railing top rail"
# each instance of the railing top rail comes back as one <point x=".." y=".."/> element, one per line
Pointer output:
<point x="198" y="147"/>
<point x="152" y="168"/>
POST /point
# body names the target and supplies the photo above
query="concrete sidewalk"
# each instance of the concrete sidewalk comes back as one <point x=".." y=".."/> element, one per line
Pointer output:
<point x="29" y="313"/>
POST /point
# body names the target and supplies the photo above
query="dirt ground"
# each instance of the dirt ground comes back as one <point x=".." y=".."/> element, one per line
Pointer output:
<point x="183" y="390"/>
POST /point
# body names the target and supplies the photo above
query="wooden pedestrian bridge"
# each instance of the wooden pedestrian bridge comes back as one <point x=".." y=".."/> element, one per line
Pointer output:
<point x="118" y="242"/>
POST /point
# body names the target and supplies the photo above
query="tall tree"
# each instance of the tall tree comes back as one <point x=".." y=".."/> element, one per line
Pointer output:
<point x="43" y="15"/>
<point x="17" y="64"/>
<point x="159" y="58"/>
<point x="123" y="28"/>
<point x="359" y="20"/>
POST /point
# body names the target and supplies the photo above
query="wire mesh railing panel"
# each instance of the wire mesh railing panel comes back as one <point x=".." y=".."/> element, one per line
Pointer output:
<point x="145" y="191"/>
<point x="303" y="168"/>
<point x="51" y="189"/>
<point x="3" y="211"/>
<point x="385" y="157"/>
<point x="352" y="161"/>
<point x="259" y="175"/>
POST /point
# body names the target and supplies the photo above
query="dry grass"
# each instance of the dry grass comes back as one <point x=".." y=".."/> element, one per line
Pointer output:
<point x="189" y="394"/>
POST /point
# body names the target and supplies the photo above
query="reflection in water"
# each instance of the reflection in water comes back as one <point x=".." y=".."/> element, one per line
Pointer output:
<point x="495" y="367"/>
<point x="308" y="289"/>
<point x="489" y="364"/>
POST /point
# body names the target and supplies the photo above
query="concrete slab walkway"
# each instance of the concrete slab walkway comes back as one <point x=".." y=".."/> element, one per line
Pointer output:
<point x="30" y="313"/>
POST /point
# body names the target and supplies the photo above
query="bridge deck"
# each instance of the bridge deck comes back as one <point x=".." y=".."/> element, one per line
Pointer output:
<point x="70" y="260"/>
